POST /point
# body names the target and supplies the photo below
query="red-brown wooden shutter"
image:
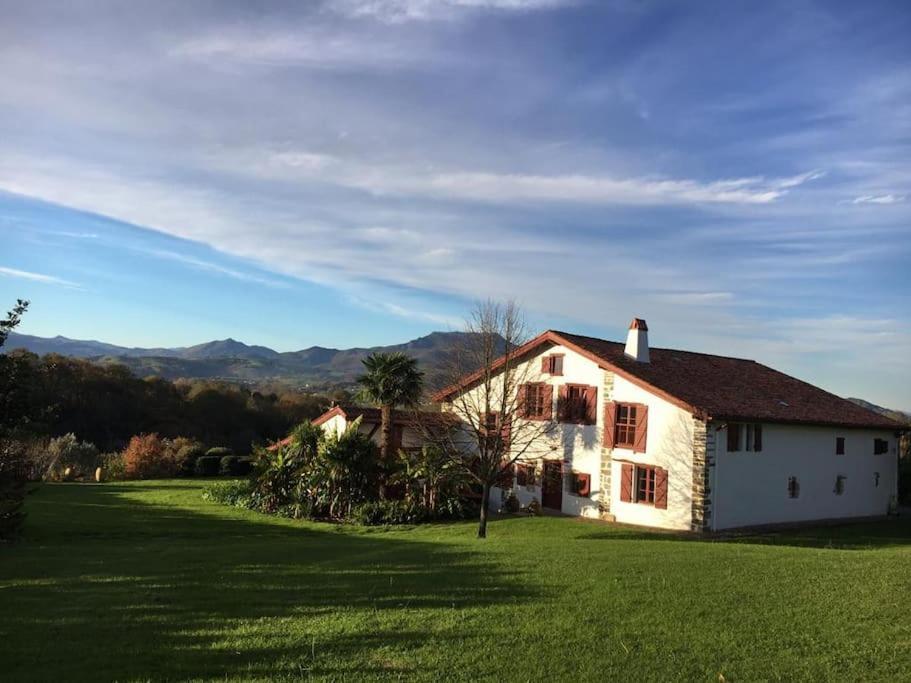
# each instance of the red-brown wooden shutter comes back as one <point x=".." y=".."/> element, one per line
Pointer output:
<point x="563" y="403"/>
<point x="506" y="433"/>
<point x="661" y="488"/>
<point x="583" y="484"/>
<point x="548" y="402"/>
<point x="522" y="401"/>
<point x="591" y="405"/>
<point x="505" y="477"/>
<point x="626" y="482"/>
<point x="639" y="443"/>
<point x="610" y="423"/>
<point x="545" y="365"/>
<point x="757" y="438"/>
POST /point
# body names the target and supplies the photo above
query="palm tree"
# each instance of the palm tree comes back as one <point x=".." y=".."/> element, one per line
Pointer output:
<point x="392" y="379"/>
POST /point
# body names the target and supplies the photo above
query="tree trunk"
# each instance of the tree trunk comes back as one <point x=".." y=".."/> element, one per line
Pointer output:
<point x="385" y="445"/>
<point x="485" y="504"/>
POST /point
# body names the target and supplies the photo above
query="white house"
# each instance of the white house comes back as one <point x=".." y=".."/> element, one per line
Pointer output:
<point x="683" y="440"/>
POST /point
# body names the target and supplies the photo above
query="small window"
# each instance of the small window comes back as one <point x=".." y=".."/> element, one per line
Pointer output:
<point x="839" y="445"/>
<point x="733" y="437"/>
<point x="754" y="437"/>
<point x="645" y="484"/>
<point x="577" y="404"/>
<point x="553" y="364"/>
<point x="582" y="484"/>
<point x="525" y="475"/>
<point x="793" y="487"/>
<point x="537" y="402"/>
<point x="840" y="484"/>
<point x="626" y="425"/>
<point x="876" y="480"/>
<point x="880" y="446"/>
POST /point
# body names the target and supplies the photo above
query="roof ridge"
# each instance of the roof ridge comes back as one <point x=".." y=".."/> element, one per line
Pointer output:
<point x="655" y="348"/>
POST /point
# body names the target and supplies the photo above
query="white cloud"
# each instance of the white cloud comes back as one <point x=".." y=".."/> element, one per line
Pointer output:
<point x="878" y="199"/>
<point x="200" y="264"/>
<point x="395" y="11"/>
<point x="38" y="277"/>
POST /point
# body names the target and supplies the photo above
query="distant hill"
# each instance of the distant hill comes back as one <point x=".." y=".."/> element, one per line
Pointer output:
<point x="896" y="415"/>
<point x="228" y="359"/>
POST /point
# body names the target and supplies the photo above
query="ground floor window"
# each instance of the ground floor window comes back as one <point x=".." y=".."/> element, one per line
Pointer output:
<point x="840" y="484"/>
<point x="526" y="475"/>
<point x="793" y="487"/>
<point x="643" y="484"/>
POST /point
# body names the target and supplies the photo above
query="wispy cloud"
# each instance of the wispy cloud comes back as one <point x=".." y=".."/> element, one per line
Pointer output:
<point x="38" y="277"/>
<point x="216" y="268"/>
<point x="394" y="11"/>
<point x="879" y="199"/>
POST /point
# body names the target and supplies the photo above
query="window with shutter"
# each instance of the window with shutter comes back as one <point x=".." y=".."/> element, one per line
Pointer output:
<point x="582" y="484"/>
<point x="552" y="364"/>
<point x="839" y="445"/>
<point x="880" y="446"/>
<point x="610" y="423"/>
<point x="505" y="478"/>
<point x="793" y="487"/>
<point x="840" y="484"/>
<point x="753" y="440"/>
<point x="578" y="404"/>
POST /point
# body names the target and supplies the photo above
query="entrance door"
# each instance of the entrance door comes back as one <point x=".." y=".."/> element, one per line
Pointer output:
<point x="552" y="485"/>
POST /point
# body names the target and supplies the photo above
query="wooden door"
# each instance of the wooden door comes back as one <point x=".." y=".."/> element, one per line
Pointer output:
<point x="552" y="485"/>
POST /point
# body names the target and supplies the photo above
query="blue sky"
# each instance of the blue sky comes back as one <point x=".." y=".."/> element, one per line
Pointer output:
<point x="357" y="172"/>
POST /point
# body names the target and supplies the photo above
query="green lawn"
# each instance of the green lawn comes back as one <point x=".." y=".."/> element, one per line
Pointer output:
<point x="146" y="581"/>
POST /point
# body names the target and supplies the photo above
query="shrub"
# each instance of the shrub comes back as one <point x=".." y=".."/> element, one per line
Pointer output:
<point x="184" y="451"/>
<point x="234" y="493"/>
<point x="534" y="507"/>
<point x="228" y="465"/>
<point x="380" y="512"/>
<point x="113" y="466"/>
<point x="13" y="472"/>
<point x="219" y="452"/>
<point x="67" y="452"/>
<point x="511" y="503"/>
<point x="208" y="465"/>
<point x="145" y="457"/>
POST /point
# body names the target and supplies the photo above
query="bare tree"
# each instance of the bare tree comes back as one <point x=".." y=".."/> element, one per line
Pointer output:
<point x="486" y="372"/>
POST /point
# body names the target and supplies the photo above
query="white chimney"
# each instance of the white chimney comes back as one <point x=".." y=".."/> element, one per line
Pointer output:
<point x="637" y="341"/>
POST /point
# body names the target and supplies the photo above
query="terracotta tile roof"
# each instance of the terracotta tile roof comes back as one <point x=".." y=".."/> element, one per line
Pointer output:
<point x="716" y="387"/>
<point x="733" y="388"/>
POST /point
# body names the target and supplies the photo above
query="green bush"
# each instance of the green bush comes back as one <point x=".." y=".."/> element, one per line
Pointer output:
<point x="380" y="512"/>
<point x="235" y="493"/>
<point x="186" y="457"/>
<point x="243" y="467"/>
<point x="113" y="466"/>
<point x="68" y="452"/>
<point x="219" y="452"/>
<point x="207" y="466"/>
<point x="227" y="465"/>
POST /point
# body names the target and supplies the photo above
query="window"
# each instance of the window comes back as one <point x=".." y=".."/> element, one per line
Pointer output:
<point x="793" y="487"/>
<point x="876" y="480"/>
<point x="645" y="485"/>
<point x="626" y="425"/>
<point x="526" y="475"/>
<point x="880" y="446"/>
<point x="751" y="435"/>
<point x="733" y="437"/>
<point x="553" y="364"/>
<point x="581" y="484"/>
<point x="754" y="437"/>
<point x="578" y="404"/>
<point x="839" y="445"/>
<point x="536" y="401"/>
<point x="505" y="477"/>
<point x="840" y="484"/>
<point x="496" y="434"/>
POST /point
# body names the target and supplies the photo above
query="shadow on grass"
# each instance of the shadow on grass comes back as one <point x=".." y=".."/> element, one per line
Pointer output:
<point x="887" y="533"/>
<point x="108" y="586"/>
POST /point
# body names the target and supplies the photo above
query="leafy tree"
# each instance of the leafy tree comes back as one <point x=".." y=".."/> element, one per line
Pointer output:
<point x="390" y="380"/>
<point x="144" y="458"/>
<point x="13" y="465"/>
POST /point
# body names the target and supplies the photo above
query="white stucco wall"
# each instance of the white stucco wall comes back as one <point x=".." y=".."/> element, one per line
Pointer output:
<point x="669" y="445"/>
<point x="578" y="447"/>
<point x="752" y="488"/>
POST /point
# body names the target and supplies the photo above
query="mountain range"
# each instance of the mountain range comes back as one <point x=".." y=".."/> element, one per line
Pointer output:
<point x="313" y="368"/>
<point x="316" y="367"/>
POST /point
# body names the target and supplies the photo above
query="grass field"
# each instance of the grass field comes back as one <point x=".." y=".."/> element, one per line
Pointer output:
<point x="146" y="581"/>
